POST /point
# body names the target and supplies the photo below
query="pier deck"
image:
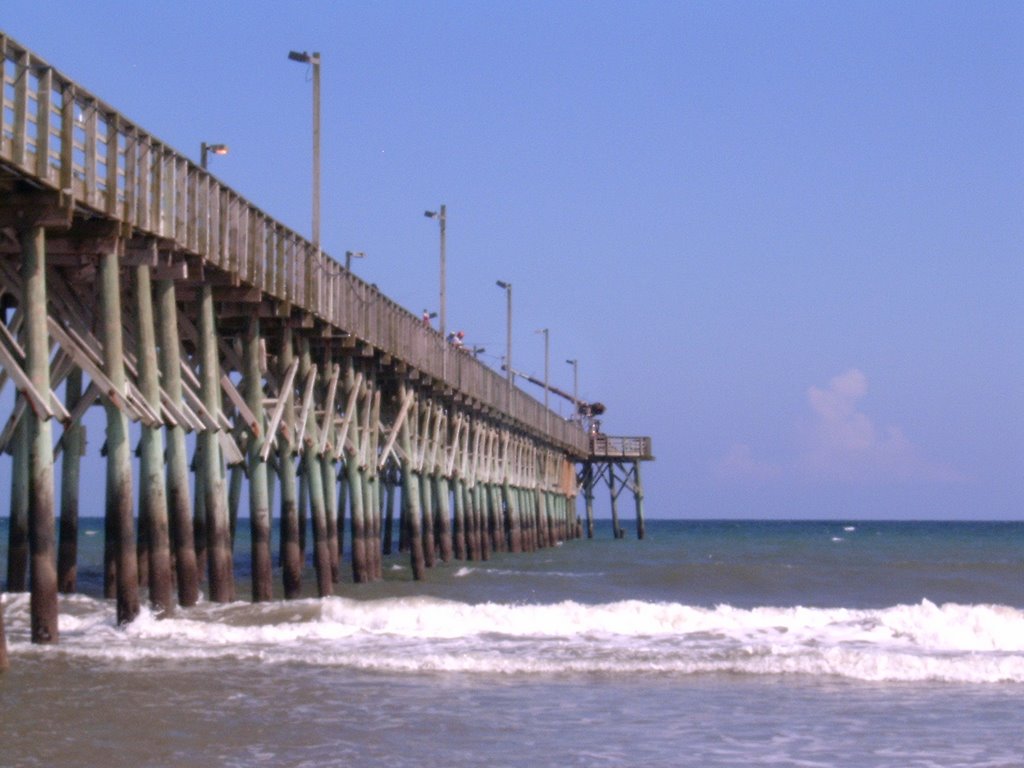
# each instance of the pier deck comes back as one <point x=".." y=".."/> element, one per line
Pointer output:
<point x="132" y="278"/>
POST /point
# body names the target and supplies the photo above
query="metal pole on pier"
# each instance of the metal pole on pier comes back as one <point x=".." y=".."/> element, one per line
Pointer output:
<point x="507" y="287"/>
<point x="314" y="61"/>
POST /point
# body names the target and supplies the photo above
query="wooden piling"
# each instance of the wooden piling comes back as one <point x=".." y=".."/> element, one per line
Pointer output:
<point x="152" y="488"/>
<point x="119" y="513"/>
<point x="411" y="492"/>
<point x="403" y="515"/>
<point x="70" y="467"/>
<point x="459" y="522"/>
<point x="291" y="556"/>
<point x="389" y="509"/>
<point x="444" y="512"/>
<point x="353" y="474"/>
<point x="259" y="490"/>
<point x="374" y="541"/>
<point x="342" y="483"/>
<point x="314" y="475"/>
<point x="616" y="528"/>
<point x="525" y="501"/>
<point x="372" y="508"/>
<point x="329" y="469"/>
<point x="460" y="466"/>
<point x="472" y="534"/>
<point x="4" y="663"/>
<point x="199" y="513"/>
<point x="330" y="481"/>
<point x="638" y="496"/>
<point x="218" y="541"/>
<point x="426" y="488"/>
<point x="494" y="520"/>
<point x="236" y="478"/>
<point x="588" y="496"/>
<point x="302" y="505"/>
<point x="17" y="534"/>
<point x="178" y="502"/>
<point x="540" y="501"/>
<point x="515" y="534"/>
<point x="501" y="519"/>
<point x="480" y="521"/>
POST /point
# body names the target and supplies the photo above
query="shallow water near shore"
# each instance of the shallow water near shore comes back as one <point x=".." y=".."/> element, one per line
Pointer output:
<point x="709" y="643"/>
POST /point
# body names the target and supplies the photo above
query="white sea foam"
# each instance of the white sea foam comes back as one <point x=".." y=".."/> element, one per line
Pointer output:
<point x="963" y="643"/>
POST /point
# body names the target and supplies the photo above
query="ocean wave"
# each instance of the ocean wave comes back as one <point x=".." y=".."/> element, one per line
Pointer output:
<point x="924" y="641"/>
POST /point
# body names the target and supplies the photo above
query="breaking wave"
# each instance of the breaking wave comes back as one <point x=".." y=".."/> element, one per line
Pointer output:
<point x="921" y="642"/>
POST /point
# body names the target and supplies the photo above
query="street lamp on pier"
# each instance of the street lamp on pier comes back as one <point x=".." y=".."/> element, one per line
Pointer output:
<point x="507" y="287"/>
<point x="349" y="255"/>
<point x="575" y="387"/>
<point x="547" y="359"/>
<point x="206" y="149"/>
<point x="441" y="217"/>
<point x="313" y="59"/>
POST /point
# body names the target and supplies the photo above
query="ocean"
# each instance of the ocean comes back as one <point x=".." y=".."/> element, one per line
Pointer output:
<point x="706" y="644"/>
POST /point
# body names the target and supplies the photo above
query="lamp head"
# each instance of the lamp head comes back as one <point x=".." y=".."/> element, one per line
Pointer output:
<point x="503" y="284"/>
<point x="303" y="57"/>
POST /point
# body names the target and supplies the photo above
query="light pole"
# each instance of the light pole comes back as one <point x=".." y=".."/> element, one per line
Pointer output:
<point x="507" y="287"/>
<point x="441" y="219"/>
<point x="205" y="150"/>
<point x="547" y="360"/>
<point x="313" y="59"/>
<point x="575" y="386"/>
<point x="349" y="255"/>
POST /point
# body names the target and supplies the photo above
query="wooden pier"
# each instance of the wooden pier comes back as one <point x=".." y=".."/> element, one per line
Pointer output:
<point x="132" y="279"/>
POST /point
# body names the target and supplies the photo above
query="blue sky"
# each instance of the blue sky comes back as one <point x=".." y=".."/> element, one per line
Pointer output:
<point x="784" y="239"/>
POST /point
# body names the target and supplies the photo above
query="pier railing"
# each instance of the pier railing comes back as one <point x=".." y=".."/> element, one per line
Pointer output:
<point x="608" y="447"/>
<point x="59" y="136"/>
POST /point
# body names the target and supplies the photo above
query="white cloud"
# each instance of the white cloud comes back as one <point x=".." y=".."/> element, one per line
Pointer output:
<point x="740" y="462"/>
<point x="839" y="442"/>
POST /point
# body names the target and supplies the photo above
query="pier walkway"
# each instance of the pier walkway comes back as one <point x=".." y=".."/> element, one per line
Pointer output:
<point x="132" y="279"/>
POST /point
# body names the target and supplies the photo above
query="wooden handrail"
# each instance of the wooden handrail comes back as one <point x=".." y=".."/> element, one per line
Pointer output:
<point x="62" y="137"/>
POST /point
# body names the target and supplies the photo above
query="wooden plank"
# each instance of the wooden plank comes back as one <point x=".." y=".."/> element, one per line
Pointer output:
<point x="410" y="396"/>
<point x="232" y="453"/>
<point x="195" y="402"/>
<point x="307" y="403"/>
<point x="239" y="402"/>
<point x="332" y="387"/>
<point x="275" y="418"/>
<point x="346" y="421"/>
<point x="364" y="437"/>
<point x="454" y="447"/>
<point x="87" y="364"/>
